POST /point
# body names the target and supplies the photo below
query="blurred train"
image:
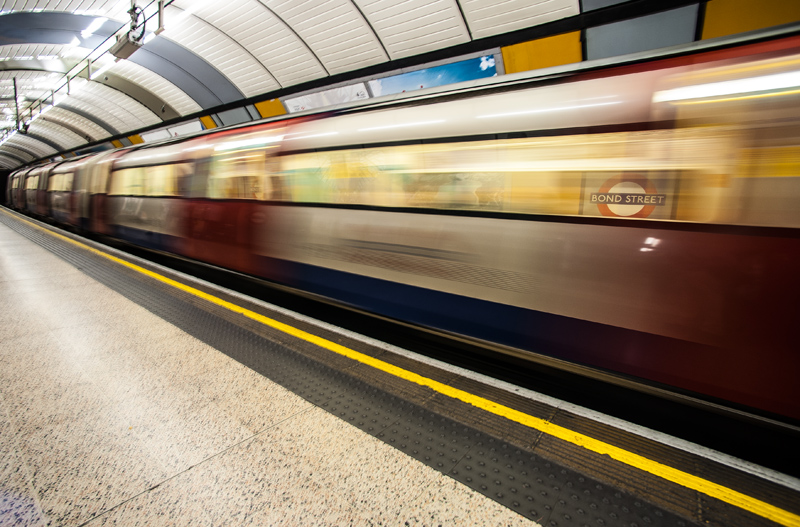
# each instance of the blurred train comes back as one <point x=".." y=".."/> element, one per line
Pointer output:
<point x="640" y="219"/>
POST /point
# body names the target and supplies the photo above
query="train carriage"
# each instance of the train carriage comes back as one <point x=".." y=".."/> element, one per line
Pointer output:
<point x="641" y="220"/>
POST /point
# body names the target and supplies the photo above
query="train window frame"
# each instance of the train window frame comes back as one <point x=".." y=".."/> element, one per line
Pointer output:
<point x="250" y="178"/>
<point x="536" y="175"/>
<point x="156" y="181"/>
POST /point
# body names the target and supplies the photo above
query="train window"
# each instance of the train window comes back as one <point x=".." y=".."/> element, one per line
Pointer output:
<point x="198" y="178"/>
<point x="160" y="181"/>
<point x="239" y="175"/>
<point x="183" y="177"/>
<point x="157" y="180"/>
<point x="98" y="177"/>
<point x="32" y="182"/>
<point x="60" y="182"/>
<point x="487" y="175"/>
<point x="53" y="183"/>
<point x="127" y="182"/>
<point x="564" y="175"/>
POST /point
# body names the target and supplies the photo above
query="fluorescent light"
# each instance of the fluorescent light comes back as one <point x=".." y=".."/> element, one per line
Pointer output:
<point x="94" y="26"/>
<point x="546" y="110"/>
<point x="312" y="135"/>
<point x="258" y="141"/>
<point x="777" y="81"/>
<point x="404" y="125"/>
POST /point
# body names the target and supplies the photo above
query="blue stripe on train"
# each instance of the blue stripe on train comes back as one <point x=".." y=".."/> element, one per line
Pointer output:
<point x="599" y="345"/>
<point x="143" y="238"/>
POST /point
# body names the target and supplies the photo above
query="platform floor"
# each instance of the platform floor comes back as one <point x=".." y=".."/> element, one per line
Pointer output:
<point x="132" y="399"/>
<point x="111" y="416"/>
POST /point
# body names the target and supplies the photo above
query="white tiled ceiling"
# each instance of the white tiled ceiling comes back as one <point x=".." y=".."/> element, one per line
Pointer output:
<point x="76" y="122"/>
<point x="412" y="27"/>
<point x="266" y="38"/>
<point x="16" y="152"/>
<point x="59" y="134"/>
<point x="31" y="145"/>
<point x="113" y="107"/>
<point x="494" y="17"/>
<point x="88" y="7"/>
<point x="31" y="51"/>
<point x="220" y="50"/>
<point x="334" y="30"/>
<point x="258" y="46"/>
<point x="158" y="86"/>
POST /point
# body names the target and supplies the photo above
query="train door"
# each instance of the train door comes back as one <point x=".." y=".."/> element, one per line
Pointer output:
<point x="18" y="198"/>
<point x="96" y="198"/>
<point x="73" y="200"/>
<point x="223" y="202"/>
<point x="17" y="188"/>
<point x="31" y="188"/>
<point x="42" y="196"/>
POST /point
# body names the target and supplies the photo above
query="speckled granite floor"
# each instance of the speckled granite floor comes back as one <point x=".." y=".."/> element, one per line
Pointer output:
<point x="111" y="416"/>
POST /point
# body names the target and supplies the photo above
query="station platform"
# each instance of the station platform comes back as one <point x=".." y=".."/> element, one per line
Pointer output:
<point x="131" y="394"/>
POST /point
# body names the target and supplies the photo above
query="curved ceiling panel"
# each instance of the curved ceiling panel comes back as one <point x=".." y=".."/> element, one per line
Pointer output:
<point x="9" y="162"/>
<point x="16" y="153"/>
<point x="29" y="144"/>
<point x="152" y="102"/>
<point x="95" y="115"/>
<point x="105" y="113"/>
<point x="335" y="30"/>
<point x="214" y="34"/>
<point x="284" y="54"/>
<point x="64" y="136"/>
<point x="415" y="26"/>
<point x="222" y="52"/>
<point x="130" y="114"/>
<point x="78" y="124"/>
<point x="49" y="141"/>
<point x="36" y="56"/>
<point x="158" y="86"/>
<point x="201" y="81"/>
<point x="493" y="18"/>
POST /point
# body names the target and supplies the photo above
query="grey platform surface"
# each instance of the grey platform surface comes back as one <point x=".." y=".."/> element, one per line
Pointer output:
<point x="126" y="403"/>
<point x="112" y="416"/>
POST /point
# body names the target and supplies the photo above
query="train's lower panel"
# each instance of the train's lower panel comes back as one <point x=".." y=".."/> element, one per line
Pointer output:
<point x="705" y="312"/>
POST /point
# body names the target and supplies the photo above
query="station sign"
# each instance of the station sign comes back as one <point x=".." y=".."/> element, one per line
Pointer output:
<point x="629" y="195"/>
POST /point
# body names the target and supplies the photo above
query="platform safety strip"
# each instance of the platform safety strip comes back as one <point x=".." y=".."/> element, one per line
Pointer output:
<point x="637" y="461"/>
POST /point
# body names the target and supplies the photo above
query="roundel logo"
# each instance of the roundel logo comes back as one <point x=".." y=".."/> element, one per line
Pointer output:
<point x="628" y="196"/>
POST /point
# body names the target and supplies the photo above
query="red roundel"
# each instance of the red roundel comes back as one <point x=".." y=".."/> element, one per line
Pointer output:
<point x="636" y="183"/>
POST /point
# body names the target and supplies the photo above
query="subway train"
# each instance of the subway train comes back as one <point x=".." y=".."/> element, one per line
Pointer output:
<point x="639" y="220"/>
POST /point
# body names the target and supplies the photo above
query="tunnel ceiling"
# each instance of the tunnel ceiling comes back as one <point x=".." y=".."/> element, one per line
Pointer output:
<point x="211" y="54"/>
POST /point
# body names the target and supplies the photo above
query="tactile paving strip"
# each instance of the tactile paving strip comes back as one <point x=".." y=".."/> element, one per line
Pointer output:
<point x="531" y="485"/>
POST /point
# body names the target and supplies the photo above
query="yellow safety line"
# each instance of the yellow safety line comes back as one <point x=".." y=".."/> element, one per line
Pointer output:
<point x="673" y="475"/>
